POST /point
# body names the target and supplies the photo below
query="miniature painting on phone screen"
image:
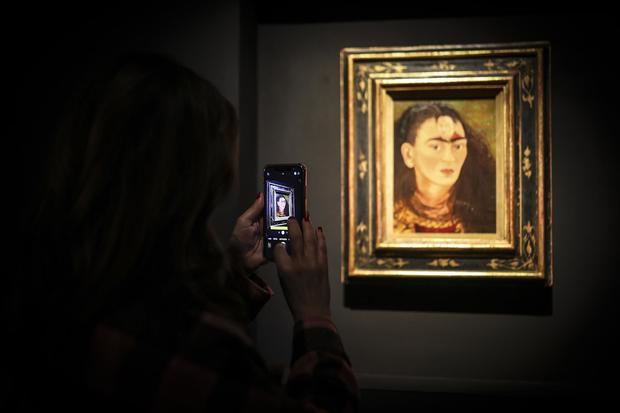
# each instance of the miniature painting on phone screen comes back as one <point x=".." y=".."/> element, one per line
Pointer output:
<point x="281" y="205"/>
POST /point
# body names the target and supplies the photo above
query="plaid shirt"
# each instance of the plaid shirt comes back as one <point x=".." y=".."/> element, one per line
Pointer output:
<point x="215" y="367"/>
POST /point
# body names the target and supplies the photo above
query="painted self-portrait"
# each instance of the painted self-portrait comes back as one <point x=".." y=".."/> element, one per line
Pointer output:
<point x="444" y="173"/>
<point x="282" y="206"/>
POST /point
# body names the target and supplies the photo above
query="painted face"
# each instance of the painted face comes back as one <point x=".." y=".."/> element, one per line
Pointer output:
<point x="281" y="204"/>
<point x="439" y="152"/>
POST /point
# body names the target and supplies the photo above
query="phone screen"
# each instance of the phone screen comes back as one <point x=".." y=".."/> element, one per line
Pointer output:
<point x="285" y="197"/>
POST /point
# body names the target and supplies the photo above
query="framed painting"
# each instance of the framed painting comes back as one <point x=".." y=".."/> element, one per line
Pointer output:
<point x="445" y="162"/>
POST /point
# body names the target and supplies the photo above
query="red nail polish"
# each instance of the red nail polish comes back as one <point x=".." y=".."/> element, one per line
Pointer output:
<point x="307" y="216"/>
<point x="258" y="195"/>
<point x="321" y="229"/>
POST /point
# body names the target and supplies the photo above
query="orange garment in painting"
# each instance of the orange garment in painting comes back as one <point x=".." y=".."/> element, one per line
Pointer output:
<point x="415" y="217"/>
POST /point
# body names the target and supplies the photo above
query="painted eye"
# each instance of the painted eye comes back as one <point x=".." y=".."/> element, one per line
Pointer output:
<point x="435" y="147"/>
<point x="460" y="146"/>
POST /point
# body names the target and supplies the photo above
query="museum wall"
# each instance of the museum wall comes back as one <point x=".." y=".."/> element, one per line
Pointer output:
<point x="284" y="79"/>
<point x="52" y="50"/>
<point x="566" y="351"/>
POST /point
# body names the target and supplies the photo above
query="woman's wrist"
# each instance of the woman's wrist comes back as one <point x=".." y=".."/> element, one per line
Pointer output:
<point x="236" y="262"/>
<point x="313" y="316"/>
<point x="309" y="322"/>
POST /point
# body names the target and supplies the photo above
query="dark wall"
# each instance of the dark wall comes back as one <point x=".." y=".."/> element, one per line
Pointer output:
<point x="570" y="351"/>
<point x="55" y="46"/>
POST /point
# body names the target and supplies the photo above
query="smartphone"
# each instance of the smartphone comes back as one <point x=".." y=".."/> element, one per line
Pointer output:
<point x="285" y="197"/>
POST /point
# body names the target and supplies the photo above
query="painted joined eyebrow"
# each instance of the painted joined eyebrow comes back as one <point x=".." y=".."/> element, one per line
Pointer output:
<point x="451" y="140"/>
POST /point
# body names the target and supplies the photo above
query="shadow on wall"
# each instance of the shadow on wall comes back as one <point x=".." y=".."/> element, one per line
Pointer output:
<point x="496" y="296"/>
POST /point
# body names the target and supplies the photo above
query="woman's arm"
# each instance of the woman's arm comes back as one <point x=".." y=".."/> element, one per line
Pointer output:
<point x="219" y="369"/>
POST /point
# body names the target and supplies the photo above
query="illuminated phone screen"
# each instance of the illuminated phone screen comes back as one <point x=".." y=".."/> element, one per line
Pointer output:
<point x="284" y="198"/>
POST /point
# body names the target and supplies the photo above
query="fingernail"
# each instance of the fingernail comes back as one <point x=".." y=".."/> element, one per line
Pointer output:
<point x="307" y="216"/>
<point x="258" y="195"/>
<point x="321" y="229"/>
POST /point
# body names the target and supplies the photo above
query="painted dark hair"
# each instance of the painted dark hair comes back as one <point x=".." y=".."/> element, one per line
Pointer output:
<point x="285" y="207"/>
<point x="475" y="188"/>
<point x="145" y="153"/>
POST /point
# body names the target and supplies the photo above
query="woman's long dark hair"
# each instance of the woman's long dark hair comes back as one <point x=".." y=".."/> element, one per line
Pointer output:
<point x="475" y="188"/>
<point x="145" y="153"/>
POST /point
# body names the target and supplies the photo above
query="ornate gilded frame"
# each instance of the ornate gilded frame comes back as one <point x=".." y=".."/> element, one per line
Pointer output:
<point x="516" y="78"/>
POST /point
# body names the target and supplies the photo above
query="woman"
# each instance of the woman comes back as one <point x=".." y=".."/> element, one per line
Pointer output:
<point x="126" y="298"/>
<point x="445" y="174"/>
<point x="282" y="207"/>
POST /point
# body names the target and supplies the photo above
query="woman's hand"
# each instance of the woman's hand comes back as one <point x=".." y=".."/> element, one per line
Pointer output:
<point x="246" y="240"/>
<point x="303" y="273"/>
